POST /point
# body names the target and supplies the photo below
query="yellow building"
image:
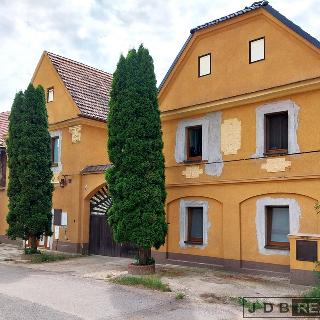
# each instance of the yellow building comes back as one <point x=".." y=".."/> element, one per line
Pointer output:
<point x="240" y="109"/>
<point x="77" y="103"/>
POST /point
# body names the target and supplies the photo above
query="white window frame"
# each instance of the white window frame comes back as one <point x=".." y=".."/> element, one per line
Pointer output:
<point x="184" y="205"/>
<point x="261" y="221"/>
<point x="50" y="94"/>
<point x="205" y="64"/>
<point x="58" y="168"/>
<point x="281" y="106"/>
<point x="257" y="53"/>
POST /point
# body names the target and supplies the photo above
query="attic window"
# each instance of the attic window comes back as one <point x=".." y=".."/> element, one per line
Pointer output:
<point x="257" y="50"/>
<point x="204" y="65"/>
<point x="50" y="93"/>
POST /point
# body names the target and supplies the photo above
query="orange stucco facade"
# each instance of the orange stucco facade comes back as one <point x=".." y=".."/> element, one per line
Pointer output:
<point x="243" y="180"/>
<point x="235" y="180"/>
<point x="74" y="197"/>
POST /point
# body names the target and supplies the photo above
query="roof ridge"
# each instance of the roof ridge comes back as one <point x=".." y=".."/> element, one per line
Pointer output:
<point x="253" y="6"/>
<point x="77" y="62"/>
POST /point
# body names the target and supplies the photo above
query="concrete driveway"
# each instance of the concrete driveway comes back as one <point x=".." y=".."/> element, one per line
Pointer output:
<point x="80" y="289"/>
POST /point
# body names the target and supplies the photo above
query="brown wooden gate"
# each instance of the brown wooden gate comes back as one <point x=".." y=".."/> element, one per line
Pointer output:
<point x="101" y="239"/>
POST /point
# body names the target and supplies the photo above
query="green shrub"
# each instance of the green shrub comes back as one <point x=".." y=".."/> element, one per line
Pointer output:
<point x="49" y="257"/>
<point x="180" y="296"/>
<point x="258" y="304"/>
<point x="31" y="251"/>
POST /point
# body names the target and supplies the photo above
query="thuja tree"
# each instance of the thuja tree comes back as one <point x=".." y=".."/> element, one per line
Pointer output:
<point x="136" y="180"/>
<point x="29" y="161"/>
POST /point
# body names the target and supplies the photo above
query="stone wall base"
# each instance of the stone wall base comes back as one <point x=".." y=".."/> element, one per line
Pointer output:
<point x="256" y="268"/>
<point x="5" y="239"/>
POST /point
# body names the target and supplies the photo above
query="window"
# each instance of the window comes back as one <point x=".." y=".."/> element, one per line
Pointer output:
<point x="55" y="151"/>
<point x="194" y="143"/>
<point x="204" y="65"/>
<point x="195" y="225"/>
<point x="276" y="130"/>
<point x="277" y="218"/>
<point x="3" y="167"/>
<point x="256" y="50"/>
<point x="50" y="93"/>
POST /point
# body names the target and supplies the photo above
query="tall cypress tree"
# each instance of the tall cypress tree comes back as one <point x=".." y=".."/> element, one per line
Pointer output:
<point x="136" y="181"/>
<point x="29" y="161"/>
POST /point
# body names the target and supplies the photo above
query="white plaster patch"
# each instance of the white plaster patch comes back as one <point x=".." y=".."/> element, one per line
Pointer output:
<point x="192" y="172"/>
<point x="184" y="205"/>
<point x="230" y="136"/>
<point x="276" y="164"/>
<point x="180" y="150"/>
<point x="294" y="221"/>
<point x="211" y="141"/>
<point x="293" y="111"/>
<point x="215" y="163"/>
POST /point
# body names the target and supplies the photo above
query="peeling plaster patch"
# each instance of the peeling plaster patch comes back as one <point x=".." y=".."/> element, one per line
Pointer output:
<point x="293" y="111"/>
<point x="215" y="165"/>
<point x="294" y="220"/>
<point x="192" y="172"/>
<point x="276" y="164"/>
<point x="231" y="136"/>
<point x="184" y="204"/>
<point x="55" y="178"/>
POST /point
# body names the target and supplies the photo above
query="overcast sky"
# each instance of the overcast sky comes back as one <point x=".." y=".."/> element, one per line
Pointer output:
<point x="96" y="32"/>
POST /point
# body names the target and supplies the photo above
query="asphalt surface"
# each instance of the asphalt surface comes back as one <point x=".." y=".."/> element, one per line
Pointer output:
<point x="35" y="294"/>
<point x="29" y="294"/>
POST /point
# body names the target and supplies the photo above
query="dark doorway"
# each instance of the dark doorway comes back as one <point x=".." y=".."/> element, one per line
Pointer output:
<point x="100" y="238"/>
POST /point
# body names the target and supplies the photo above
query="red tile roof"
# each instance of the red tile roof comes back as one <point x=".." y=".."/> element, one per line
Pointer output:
<point x="89" y="87"/>
<point x="4" y="124"/>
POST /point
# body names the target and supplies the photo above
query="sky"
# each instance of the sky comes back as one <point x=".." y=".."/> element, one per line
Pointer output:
<point x="96" y="32"/>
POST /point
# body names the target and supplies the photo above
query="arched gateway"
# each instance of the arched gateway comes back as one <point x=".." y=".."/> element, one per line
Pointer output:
<point x="100" y="238"/>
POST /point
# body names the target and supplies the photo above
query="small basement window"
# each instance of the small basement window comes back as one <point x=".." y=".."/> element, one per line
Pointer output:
<point x="195" y="225"/>
<point x="55" y="157"/>
<point x="278" y="226"/>
<point x="257" y="50"/>
<point x="276" y="131"/>
<point x="204" y="65"/>
<point x="194" y="143"/>
<point x="50" y="93"/>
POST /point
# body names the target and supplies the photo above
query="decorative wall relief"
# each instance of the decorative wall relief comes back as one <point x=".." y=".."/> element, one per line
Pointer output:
<point x="75" y="133"/>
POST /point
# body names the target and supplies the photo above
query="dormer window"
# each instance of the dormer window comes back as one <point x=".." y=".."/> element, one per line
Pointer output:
<point x="204" y="65"/>
<point x="50" y="94"/>
<point x="256" y="50"/>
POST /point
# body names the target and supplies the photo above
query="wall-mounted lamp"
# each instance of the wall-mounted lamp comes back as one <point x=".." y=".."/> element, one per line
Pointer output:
<point x="65" y="180"/>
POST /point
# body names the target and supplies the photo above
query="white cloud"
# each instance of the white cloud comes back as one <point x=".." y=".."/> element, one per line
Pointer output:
<point x="96" y="32"/>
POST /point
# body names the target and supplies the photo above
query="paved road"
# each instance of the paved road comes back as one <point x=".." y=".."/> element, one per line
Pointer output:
<point x="34" y="294"/>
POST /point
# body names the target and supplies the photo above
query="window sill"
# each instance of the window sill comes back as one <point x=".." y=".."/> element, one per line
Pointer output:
<point x="194" y="243"/>
<point x="276" y="153"/>
<point x="193" y="161"/>
<point x="277" y="247"/>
